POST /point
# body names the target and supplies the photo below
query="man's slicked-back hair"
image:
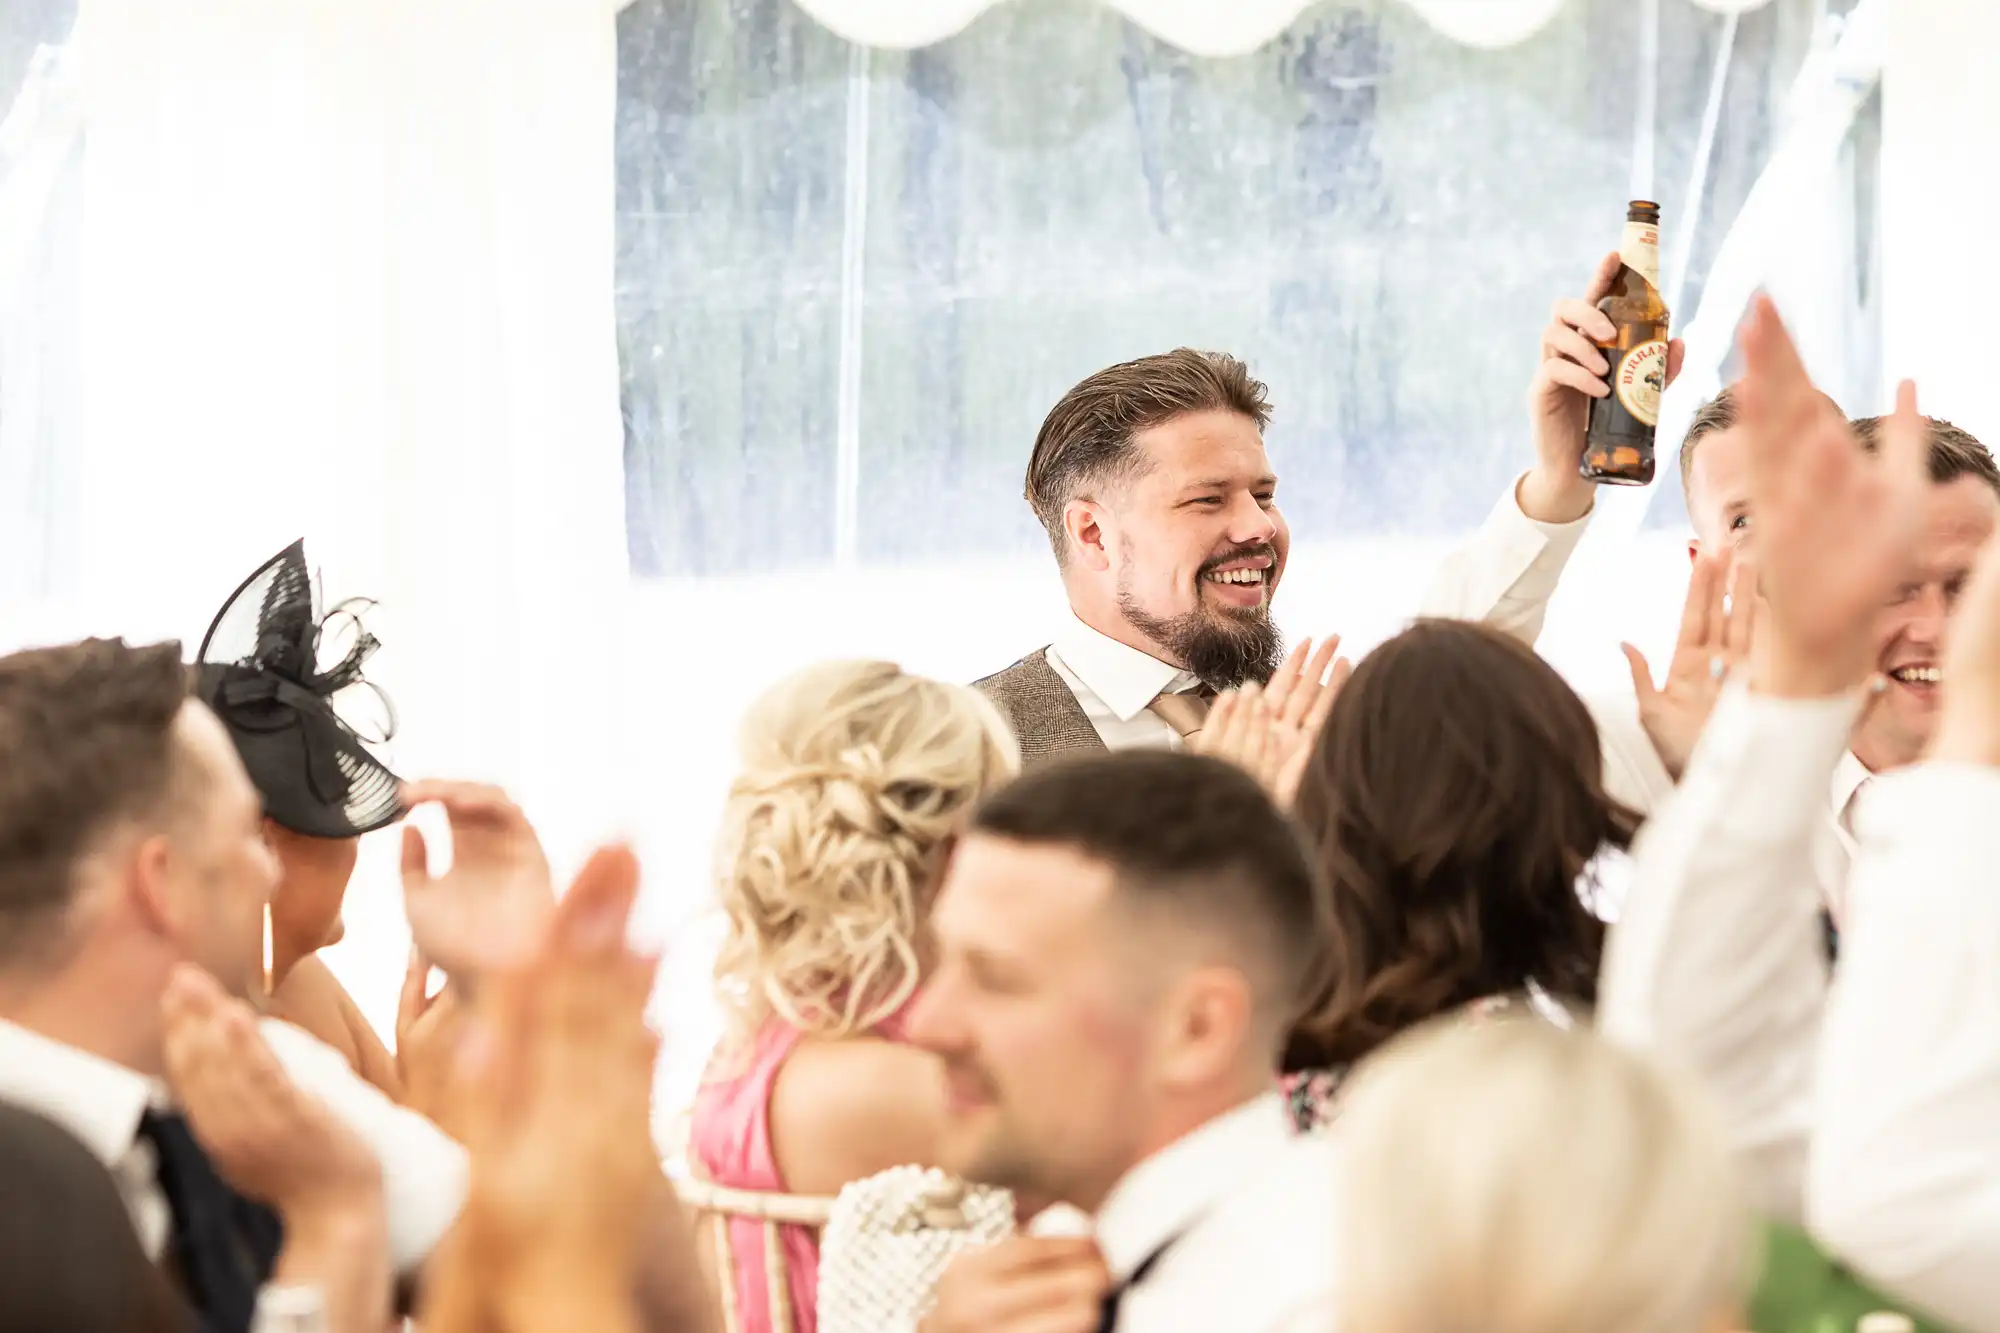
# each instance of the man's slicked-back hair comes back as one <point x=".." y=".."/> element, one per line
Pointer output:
<point x="1953" y="451"/>
<point x="86" y="740"/>
<point x="1191" y="836"/>
<point x="1086" y="444"/>
<point x="1717" y="414"/>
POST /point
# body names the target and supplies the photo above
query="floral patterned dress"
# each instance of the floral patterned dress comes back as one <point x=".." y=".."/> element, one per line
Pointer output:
<point x="1310" y="1094"/>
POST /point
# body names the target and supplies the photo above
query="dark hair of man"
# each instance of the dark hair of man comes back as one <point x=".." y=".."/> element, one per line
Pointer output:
<point x="1085" y="444"/>
<point x="86" y="740"/>
<point x="1953" y="452"/>
<point x="1453" y="802"/>
<point x="1190" y="838"/>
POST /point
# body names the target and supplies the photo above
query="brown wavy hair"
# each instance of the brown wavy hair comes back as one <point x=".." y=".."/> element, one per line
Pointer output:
<point x="1455" y="800"/>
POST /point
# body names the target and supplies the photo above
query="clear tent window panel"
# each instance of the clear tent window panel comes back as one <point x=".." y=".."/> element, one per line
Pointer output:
<point x="731" y="166"/>
<point x="852" y="281"/>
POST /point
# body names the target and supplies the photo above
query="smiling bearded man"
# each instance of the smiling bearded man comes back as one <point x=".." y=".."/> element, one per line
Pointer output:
<point x="1153" y="483"/>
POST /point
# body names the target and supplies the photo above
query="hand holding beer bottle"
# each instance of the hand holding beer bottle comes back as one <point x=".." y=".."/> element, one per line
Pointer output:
<point x="1632" y="339"/>
<point x="1569" y="383"/>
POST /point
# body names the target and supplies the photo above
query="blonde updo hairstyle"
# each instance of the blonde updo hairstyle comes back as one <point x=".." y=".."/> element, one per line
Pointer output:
<point x="1518" y="1177"/>
<point x="855" y="777"/>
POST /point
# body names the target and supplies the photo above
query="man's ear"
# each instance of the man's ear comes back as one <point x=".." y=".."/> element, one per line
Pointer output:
<point x="147" y="881"/>
<point x="1208" y="1020"/>
<point x="1085" y="524"/>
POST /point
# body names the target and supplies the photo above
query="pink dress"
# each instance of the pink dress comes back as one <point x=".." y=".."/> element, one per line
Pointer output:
<point x="730" y="1138"/>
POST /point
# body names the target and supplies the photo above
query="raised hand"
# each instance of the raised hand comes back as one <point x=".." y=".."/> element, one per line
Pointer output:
<point x="1269" y="730"/>
<point x="556" y="1094"/>
<point x="1570" y="374"/>
<point x="1239" y="729"/>
<point x="1718" y="623"/>
<point x="1837" y="526"/>
<point x="490" y="909"/>
<point x="428" y="1031"/>
<point x="267" y="1138"/>
<point x="276" y="1144"/>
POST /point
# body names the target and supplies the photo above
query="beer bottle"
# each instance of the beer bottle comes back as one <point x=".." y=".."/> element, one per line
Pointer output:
<point x="1618" y="445"/>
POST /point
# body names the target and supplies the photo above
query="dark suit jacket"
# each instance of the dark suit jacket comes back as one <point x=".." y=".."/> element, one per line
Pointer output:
<point x="1047" y="719"/>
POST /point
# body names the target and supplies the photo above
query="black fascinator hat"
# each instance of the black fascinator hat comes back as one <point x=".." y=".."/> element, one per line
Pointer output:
<point x="270" y="667"/>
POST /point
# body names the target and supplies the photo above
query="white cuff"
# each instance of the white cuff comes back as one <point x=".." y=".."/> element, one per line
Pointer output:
<point x="1524" y="557"/>
<point x="1510" y="513"/>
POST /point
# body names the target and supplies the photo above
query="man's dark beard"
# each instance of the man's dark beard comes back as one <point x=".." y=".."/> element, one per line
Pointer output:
<point x="1221" y="650"/>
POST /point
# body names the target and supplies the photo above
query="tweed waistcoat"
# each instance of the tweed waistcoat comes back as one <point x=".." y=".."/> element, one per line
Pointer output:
<point x="1038" y="704"/>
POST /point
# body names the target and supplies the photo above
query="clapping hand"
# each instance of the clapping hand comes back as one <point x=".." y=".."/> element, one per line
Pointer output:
<point x="1718" y="623"/>
<point x="276" y="1144"/>
<point x="1837" y="526"/>
<point x="554" y="1095"/>
<point x="267" y="1138"/>
<point x="1269" y="730"/>
<point x="489" y="910"/>
<point x="428" y="1031"/>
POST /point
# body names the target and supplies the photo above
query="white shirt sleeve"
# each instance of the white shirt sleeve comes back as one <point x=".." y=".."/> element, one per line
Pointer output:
<point x="1505" y="575"/>
<point x="1904" y="1177"/>
<point x="1634" y="774"/>
<point x="1716" y="962"/>
<point x="423" y="1169"/>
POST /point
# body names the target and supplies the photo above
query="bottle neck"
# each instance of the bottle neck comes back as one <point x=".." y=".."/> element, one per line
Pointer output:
<point x="1641" y="250"/>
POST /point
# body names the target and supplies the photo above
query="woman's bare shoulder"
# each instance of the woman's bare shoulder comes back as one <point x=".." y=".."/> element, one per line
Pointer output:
<point x="312" y="998"/>
<point x="848" y="1108"/>
<point x="309" y="997"/>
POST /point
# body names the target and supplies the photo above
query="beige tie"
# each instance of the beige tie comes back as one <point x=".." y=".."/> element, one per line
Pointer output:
<point x="1183" y="712"/>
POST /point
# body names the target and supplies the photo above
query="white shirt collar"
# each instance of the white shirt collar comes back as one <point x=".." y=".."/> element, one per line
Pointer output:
<point x="1848" y="776"/>
<point x="1126" y="679"/>
<point x="94" y="1099"/>
<point x="1168" y="1193"/>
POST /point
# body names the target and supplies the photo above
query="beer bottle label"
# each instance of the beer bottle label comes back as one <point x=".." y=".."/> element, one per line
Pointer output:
<point x="1638" y="379"/>
<point x="1641" y="250"/>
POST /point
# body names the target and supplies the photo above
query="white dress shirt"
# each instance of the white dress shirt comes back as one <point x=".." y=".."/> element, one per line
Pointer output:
<point x="1505" y="574"/>
<point x="1114" y="683"/>
<point x="1716" y="961"/>
<point x="423" y="1171"/>
<point x="1904" y="1176"/>
<point x="1246" y="1210"/>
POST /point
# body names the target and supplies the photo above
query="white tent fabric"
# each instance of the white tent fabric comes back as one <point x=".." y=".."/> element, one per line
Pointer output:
<point x="41" y="148"/>
<point x="1940" y="194"/>
<point x="347" y="276"/>
<point x="1201" y="27"/>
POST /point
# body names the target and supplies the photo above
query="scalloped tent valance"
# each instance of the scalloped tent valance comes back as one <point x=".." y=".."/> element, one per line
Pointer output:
<point x="1202" y="27"/>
